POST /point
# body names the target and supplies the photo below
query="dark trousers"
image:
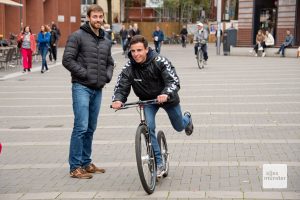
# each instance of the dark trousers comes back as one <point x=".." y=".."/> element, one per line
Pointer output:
<point x="203" y="48"/>
<point x="53" y="52"/>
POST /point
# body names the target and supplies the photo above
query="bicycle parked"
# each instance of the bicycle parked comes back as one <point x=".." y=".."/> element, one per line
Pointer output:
<point x="145" y="158"/>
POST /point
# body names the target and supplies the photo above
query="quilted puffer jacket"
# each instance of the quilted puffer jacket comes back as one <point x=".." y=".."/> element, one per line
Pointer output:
<point x="88" y="58"/>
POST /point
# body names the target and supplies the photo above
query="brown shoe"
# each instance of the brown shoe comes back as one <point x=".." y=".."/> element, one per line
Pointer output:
<point x="91" y="168"/>
<point x="80" y="173"/>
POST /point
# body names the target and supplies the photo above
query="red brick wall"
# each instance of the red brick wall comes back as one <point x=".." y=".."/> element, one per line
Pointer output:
<point x="39" y="12"/>
<point x="286" y="19"/>
<point x="244" y="34"/>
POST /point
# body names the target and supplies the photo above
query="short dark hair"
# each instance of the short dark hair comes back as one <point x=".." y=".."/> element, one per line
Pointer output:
<point x="138" y="38"/>
<point x="94" y="7"/>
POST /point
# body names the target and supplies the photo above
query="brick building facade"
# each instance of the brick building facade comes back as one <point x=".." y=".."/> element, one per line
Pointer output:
<point x="275" y="15"/>
<point x="66" y="14"/>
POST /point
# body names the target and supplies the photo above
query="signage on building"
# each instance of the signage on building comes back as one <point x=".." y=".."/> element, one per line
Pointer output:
<point x="154" y="3"/>
<point x="60" y="18"/>
<point x="73" y="19"/>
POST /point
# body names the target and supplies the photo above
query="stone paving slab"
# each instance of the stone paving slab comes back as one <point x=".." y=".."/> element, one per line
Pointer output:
<point x="245" y="115"/>
<point x="157" y="195"/>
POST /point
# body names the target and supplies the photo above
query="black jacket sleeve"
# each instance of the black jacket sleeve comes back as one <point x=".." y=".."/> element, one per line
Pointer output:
<point x="171" y="80"/>
<point x="70" y="57"/>
<point x="123" y="86"/>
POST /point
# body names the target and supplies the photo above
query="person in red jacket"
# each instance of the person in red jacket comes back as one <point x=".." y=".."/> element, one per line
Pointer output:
<point x="28" y="47"/>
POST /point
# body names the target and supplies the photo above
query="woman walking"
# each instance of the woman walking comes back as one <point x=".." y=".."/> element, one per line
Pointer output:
<point x="44" y="41"/>
<point x="28" y="47"/>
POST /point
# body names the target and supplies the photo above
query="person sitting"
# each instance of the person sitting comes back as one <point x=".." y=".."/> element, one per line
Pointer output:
<point x="288" y="42"/>
<point x="268" y="42"/>
<point x="259" y="40"/>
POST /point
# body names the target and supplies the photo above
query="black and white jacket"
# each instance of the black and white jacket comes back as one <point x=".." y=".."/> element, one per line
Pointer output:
<point x="148" y="80"/>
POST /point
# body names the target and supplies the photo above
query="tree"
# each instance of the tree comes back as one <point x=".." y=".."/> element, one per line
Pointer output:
<point x="189" y="10"/>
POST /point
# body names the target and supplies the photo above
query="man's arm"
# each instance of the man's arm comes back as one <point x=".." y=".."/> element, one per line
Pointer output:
<point x="123" y="86"/>
<point x="70" y="58"/>
<point x="171" y="80"/>
<point x="109" y="66"/>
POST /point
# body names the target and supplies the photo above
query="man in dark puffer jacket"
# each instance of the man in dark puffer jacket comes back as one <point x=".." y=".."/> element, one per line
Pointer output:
<point x="152" y="76"/>
<point x="87" y="56"/>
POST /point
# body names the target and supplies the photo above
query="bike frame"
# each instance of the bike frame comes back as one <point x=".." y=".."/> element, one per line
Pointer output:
<point x="148" y="158"/>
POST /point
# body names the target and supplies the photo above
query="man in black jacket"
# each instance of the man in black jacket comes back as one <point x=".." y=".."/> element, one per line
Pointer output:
<point x="87" y="56"/>
<point x="152" y="77"/>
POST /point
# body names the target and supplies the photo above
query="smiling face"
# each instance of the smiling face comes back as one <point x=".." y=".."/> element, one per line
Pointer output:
<point x="96" y="19"/>
<point x="139" y="52"/>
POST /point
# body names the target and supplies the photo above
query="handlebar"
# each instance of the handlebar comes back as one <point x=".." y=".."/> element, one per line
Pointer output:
<point x="137" y="103"/>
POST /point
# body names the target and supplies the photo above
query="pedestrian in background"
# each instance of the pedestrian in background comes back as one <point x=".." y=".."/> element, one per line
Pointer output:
<point x="87" y="56"/>
<point x="183" y="34"/>
<point x="288" y="42"/>
<point x="136" y="30"/>
<point x="123" y="35"/>
<point x="201" y="39"/>
<point x="260" y="37"/>
<point x="158" y="37"/>
<point x="53" y="44"/>
<point x="268" y="42"/>
<point x="55" y="28"/>
<point x="43" y="43"/>
<point x="28" y="47"/>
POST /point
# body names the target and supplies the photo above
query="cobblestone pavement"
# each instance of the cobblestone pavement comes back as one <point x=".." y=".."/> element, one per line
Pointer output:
<point x="246" y="113"/>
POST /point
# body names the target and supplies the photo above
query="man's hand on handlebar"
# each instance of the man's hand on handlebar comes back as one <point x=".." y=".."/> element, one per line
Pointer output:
<point x="116" y="105"/>
<point x="162" y="98"/>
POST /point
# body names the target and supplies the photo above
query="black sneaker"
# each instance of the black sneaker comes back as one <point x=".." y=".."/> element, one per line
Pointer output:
<point x="190" y="127"/>
<point x="28" y="70"/>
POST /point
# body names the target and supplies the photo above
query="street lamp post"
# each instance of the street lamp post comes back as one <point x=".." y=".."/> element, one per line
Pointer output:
<point x="219" y="4"/>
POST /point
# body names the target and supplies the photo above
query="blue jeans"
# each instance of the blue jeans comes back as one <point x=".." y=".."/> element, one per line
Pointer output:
<point x="44" y="51"/>
<point x="178" y="121"/>
<point x="282" y="48"/>
<point x="86" y="107"/>
<point x="124" y="44"/>
<point x="157" y="46"/>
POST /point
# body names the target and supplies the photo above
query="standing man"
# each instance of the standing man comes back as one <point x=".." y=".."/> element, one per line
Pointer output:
<point x="53" y="43"/>
<point x="201" y="38"/>
<point x="54" y="27"/>
<point x="158" y="37"/>
<point x="152" y="76"/>
<point x="183" y="34"/>
<point x="87" y="56"/>
<point x="136" y="30"/>
<point x="123" y="35"/>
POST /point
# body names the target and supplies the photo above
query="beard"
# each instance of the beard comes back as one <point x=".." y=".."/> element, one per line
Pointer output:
<point x="96" y="25"/>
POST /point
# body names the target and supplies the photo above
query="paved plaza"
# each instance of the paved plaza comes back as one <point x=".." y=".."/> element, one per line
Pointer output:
<point x="246" y="113"/>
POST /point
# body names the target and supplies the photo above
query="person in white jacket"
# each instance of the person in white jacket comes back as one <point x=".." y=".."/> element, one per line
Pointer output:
<point x="268" y="42"/>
